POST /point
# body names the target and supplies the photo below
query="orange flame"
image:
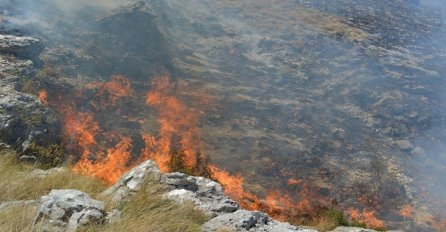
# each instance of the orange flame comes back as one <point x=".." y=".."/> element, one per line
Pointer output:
<point x="177" y="121"/>
<point x="368" y="217"/>
<point x="109" y="167"/>
<point x="407" y="211"/>
<point x="278" y="205"/>
<point x="43" y="97"/>
<point x="178" y="130"/>
<point x="112" y="91"/>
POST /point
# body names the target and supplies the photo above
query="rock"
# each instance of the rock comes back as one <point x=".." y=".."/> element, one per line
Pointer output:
<point x="243" y="220"/>
<point x="67" y="210"/>
<point x="25" y="122"/>
<point x="113" y="216"/>
<point x="40" y="173"/>
<point x="351" y="229"/>
<point x="21" y="46"/>
<point x="355" y="229"/>
<point x="418" y="151"/>
<point x="131" y="181"/>
<point x="206" y="194"/>
<point x="404" y="145"/>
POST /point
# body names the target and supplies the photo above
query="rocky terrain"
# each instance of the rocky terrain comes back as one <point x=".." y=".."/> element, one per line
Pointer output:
<point x="336" y="103"/>
<point x="69" y="209"/>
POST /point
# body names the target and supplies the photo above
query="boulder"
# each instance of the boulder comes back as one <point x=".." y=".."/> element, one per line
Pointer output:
<point x="131" y="181"/>
<point x="67" y="210"/>
<point x="21" y="46"/>
<point x="243" y="220"/>
<point x="356" y="229"/>
<point x="351" y="229"/>
<point x="206" y="194"/>
<point x="404" y="145"/>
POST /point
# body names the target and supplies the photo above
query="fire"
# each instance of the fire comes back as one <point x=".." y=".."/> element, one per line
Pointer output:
<point x="292" y="181"/>
<point x="111" y="165"/>
<point x="100" y="149"/>
<point x="43" y="97"/>
<point x="407" y="211"/>
<point x="112" y="91"/>
<point x="368" y="217"/>
<point x="278" y="205"/>
<point x="178" y="126"/>
<point x="233" y="185"/>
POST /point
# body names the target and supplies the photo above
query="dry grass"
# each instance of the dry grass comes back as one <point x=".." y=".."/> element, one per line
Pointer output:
<point x="146" y="211"/>
<point x="149" y="211"/>
<point x="16" y="183"/>
<point x="17" y="218"/>
<point x="324" y="223"/>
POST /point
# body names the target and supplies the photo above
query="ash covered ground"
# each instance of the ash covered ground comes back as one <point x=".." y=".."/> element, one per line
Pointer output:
<point x="340" y="102"/>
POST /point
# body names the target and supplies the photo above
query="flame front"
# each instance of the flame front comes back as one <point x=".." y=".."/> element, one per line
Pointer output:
<point x="177" y="122"/>
<point x="100" y="147"/>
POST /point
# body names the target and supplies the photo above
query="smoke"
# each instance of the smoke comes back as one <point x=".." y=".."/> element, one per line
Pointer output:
<point x="281" y="65"/>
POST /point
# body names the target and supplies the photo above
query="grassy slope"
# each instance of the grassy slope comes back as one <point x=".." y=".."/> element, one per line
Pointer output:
<point x="147" y="211"/>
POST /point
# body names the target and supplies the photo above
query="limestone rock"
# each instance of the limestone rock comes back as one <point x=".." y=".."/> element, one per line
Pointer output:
<point x="131" y="181"/>
<point x="113" y="216"/>
<point x="21" y="46"/>
<point x="404" y="145"/>
<point x="23" y="120"/>
<point x="351" y="229"/>
<point x="40" y="173"/>
<point x="356" y="229"/>
<point x="67" y="210"/>
<point x="243" y="220"/>
<point x="206" y="194"/>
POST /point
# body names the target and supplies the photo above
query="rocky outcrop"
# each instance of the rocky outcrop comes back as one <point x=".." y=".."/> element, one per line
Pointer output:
<point x="67" y="210"/>
<point x="243" y="220"/>
<point x="21" y="46"/>
<point x="26" y="125"/>
<point x="207" y="195"/>
<point x="355" y="229"/>
<point x="131" y="181"/>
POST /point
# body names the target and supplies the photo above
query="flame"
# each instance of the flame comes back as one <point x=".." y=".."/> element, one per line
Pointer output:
<point x="43" y="97"/>
<point x="278" y="205"/>
<point x="407" y="211"/>
<point x="292" y="181"/>
<point x="368" y="217"/>
<point x="107" y="153"/>
<point x="110" y="92"/>
<point x="177" y="122"/>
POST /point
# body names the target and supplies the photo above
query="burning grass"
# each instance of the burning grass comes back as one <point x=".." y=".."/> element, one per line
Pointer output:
<point x="100" y="147"/>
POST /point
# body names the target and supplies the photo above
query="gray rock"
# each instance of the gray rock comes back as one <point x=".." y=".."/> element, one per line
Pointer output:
<point x="131" y="181"/>
<point x="113" y="216"/>
<point x="206" y="194"/>
<point x="23" y="47"/>
<point x="243" y="220"/>
<point x="356" y="229"/>
<point x="40" y="173"/>
<point x="404" y="145"/>
<point x="67" y="210"/>
<point x="351" y="229"/>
